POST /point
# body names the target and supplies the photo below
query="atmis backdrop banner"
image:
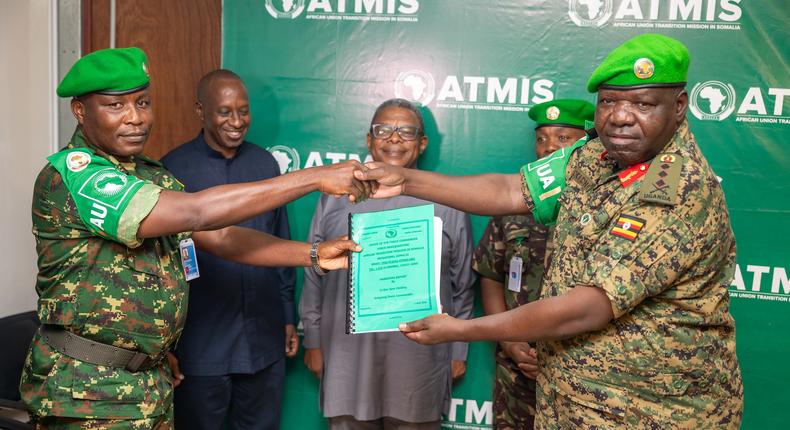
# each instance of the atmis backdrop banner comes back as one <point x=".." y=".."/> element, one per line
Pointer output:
<point x="317" y="69"/>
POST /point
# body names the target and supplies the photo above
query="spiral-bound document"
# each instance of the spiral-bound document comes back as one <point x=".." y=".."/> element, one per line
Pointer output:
<point x="395" y="278"/>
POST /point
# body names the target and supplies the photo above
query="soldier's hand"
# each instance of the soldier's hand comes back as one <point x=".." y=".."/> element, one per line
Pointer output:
<point x="314" y="360"/>
<point x="459" y="369"/>
<point x="175" y="369"/>
<point x="338" y="180"/>
<point x="333" y="254"/>
<point x="291" y="341"/>
<point x="389" y="180"/>
<point x="433" y="329"/>
<point x="525" y="357"/>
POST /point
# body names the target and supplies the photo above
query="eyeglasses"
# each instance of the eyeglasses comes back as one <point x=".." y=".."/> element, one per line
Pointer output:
<point x="384" y="131"/>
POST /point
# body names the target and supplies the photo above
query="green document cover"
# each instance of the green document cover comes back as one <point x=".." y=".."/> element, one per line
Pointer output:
<point x="395" y="278"/>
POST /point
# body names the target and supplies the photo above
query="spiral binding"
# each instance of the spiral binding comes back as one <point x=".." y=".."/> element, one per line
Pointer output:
<point x="350" y="308"/>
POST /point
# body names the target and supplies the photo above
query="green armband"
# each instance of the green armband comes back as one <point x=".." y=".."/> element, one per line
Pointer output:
<point x="545" y="180"/>
<point x="100" y="192"/>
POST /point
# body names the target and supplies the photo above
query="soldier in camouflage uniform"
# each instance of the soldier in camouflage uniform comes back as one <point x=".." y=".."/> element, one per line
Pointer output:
<point x="633" y="324"/>
<point x="109" y="224"/>
<point x="517" y="241"/>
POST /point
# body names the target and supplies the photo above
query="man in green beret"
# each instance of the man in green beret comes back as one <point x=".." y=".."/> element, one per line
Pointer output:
<point x="511" y="259"/>
<point x="116" y="246"/>
<point x="633" y="326"/>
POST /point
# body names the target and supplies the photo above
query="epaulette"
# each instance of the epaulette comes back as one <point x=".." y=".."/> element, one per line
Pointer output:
<point x="660" y="184"/>
<point x="150" y="161"/>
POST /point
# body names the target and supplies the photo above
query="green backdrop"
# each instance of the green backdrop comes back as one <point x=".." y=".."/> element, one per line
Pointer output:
<point x="316" y="70"/>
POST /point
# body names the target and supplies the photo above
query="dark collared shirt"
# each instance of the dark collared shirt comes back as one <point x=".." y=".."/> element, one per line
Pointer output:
<point x="237" y="313"/>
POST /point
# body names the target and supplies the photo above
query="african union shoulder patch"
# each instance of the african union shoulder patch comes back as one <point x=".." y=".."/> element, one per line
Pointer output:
<point x="628" y="226"/>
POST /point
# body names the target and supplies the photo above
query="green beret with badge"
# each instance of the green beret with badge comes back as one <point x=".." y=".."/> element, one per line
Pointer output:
<point x="107" y="71"/>
<point x="645" y="61"/>
<point x="562" y="113"/>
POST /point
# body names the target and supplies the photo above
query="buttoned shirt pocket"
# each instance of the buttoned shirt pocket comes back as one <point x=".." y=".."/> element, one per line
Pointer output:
<point x="593" y="403"/>
<point x="146" y="259"/>
<point x="637" y="255"/>
<point x="59" y="311"/>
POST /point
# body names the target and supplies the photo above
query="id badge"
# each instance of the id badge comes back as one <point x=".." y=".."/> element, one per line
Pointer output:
<point x="189" y="259"/>
<point x="514" y="276"/>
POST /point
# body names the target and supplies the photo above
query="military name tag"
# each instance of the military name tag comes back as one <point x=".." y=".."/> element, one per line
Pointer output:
<point x="514" y="275"/>
<point x="189" y="259"/>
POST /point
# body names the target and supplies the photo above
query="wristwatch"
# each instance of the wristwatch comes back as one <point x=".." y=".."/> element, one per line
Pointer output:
<point x="314" y="259"/>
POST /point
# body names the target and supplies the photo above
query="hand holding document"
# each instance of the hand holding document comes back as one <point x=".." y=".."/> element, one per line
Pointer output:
<point x="396" y="276"/>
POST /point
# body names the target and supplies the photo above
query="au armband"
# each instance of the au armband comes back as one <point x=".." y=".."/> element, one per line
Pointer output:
<point x="545" y="180"/>
<point x="99" y="190"/>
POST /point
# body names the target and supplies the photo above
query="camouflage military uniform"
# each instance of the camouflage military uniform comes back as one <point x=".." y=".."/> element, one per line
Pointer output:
<point x="130" y="294"/>
<point x="505" y="238"/>
<point x="668" y="359"/>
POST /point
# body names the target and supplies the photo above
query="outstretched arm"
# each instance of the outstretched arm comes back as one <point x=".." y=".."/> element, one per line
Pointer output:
<point x="249" y="246"/>
<point x="581" y="310"/>
<point x="226" y="205"/>
<point x="488" y="194"/>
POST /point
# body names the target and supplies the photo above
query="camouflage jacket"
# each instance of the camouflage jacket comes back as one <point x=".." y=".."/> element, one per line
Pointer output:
<point x="511" y="236"/>
<point x="668" y="357"/>
<point x="128" y="295"/>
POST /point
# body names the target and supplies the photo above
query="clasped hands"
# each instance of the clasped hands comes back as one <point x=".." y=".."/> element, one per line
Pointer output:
<point x="361" y="181"/>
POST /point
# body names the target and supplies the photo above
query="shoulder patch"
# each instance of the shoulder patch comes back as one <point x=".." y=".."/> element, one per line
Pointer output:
<point x="660" y="184"/>
<point x="100" y="192"/>
<point x="78" y="160"/>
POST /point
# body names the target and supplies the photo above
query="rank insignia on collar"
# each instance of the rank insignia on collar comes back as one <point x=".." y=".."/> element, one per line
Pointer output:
<point x="628" y="226"/>
<point x="633" y="173"/>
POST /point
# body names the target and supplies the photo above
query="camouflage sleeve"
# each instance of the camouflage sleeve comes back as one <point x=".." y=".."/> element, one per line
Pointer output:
<point x="644" y="252"/>
<point x="139" y="207"/>
<point x="102" y="194"/>
<point x="489" y="256"/>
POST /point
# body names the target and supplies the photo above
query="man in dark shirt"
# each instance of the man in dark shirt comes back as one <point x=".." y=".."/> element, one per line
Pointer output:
<point x="240" y="321"/>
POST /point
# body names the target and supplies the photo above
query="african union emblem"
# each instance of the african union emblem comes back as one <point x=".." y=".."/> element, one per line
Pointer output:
<point x="287" y="158"/>
<point x="288" y="9"/>
<point x="109" y="182"/>
<point x="712" y="100"/>
<point x="415" y="85"/>
<point x="589" y="13"/>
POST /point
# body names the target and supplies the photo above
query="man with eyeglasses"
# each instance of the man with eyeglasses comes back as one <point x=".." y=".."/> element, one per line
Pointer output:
<point x="382" y="380"/>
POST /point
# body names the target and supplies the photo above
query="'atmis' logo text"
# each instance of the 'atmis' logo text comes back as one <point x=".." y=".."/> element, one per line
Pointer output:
<point x="345" y="10"/>
<point x="646" y="14"/>
<point x="717" y="101"/>
<point x="496" y="93"/>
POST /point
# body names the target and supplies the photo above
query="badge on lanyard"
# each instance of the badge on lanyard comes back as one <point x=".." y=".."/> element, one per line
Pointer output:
<point x="189" y="259"/>
<point x="514" y="277"/>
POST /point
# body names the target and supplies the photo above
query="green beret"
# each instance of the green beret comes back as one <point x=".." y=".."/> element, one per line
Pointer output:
<point x="647" y="60"/>
<point x="107" y="71"/>
<point x="562" y="113"/>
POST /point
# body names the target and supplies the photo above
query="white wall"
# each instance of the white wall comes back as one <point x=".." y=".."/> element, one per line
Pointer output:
<point x="27" y="127"/>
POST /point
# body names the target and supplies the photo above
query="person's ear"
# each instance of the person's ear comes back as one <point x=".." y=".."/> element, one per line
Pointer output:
<point x="682" y="104"/>
<point x="369" y="142"/>
<point x="199" y="111"/>
<point x="423" y="144"/>
<point x="78" y="110"/>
